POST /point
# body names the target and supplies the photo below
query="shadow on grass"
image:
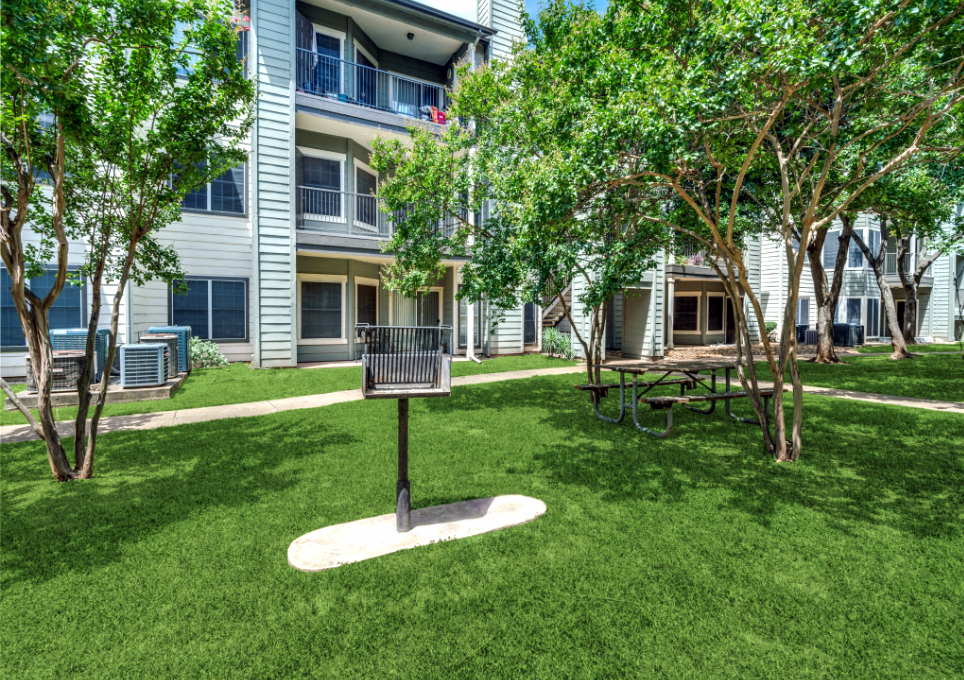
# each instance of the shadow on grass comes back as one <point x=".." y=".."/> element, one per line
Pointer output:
<point x="144" y="483"/>
<point x="861" y="463"/>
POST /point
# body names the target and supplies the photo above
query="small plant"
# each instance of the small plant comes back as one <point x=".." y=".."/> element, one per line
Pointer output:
<point x="565" y="345"/>
<point x="206" y="354"/>
<point x="771" y="327"/>
<point x="551" y="337"/>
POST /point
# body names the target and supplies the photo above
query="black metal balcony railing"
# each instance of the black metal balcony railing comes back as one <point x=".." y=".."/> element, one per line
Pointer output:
<point x="350" y="214"/>
<point x="366" y="86"/>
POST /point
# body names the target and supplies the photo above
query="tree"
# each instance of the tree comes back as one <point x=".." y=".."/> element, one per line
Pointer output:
<point x="918" y="204"/>
<point x="166" y="108"/>
<point x="704" y="114"/>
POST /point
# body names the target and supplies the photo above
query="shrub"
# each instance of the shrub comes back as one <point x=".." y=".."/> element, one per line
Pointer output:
<point x="206" y="354"/>
<point x="565" y="345"/>
<point x="771" y="329"/>
<point x="551" y="337"/>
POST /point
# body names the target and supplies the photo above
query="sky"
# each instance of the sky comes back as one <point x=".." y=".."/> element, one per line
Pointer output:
<point x="466" y="8"/>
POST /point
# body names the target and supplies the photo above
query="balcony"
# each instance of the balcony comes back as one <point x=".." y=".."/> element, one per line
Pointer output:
<point x="370" y="88"/>
<point x="890" y="264"/>
<point x="342" y="213"/>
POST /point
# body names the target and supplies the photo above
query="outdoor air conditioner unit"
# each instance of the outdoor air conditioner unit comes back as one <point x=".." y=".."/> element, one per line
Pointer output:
<point x="143" y="365"/>
<point x="169" y="339"/>
<point x="67" y="367"/>
<point x="183" y="344"/>
<point x="76" y="339"/>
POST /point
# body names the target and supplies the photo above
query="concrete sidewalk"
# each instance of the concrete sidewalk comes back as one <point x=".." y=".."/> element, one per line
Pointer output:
<point x="910" y="402"/>
<point x="11" y="434"/>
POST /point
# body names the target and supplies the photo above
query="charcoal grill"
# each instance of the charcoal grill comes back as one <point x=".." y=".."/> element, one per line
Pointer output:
<point x="405" y="362"/>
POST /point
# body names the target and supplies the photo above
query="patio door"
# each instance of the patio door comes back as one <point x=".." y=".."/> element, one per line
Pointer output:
<point x="529" y="334"/>
<point x="367" y="86"/>
<point x="429" y="309"/>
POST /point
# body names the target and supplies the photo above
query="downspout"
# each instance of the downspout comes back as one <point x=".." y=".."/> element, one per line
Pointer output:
<point x="470" y="308"/>
<point x="255" y="230"/>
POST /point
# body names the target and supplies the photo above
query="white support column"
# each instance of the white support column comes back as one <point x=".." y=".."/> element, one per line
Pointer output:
<point x="670" y="295"/>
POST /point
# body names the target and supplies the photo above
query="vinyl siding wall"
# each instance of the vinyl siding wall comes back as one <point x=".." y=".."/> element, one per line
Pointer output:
<point x="274" y="242"/>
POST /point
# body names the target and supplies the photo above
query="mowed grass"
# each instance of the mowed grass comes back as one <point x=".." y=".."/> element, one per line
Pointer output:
<point x="931" y="347"/>
<point x="240" y="383"/>
<point x="938" y="376"/>
<point x="694" y="556"/>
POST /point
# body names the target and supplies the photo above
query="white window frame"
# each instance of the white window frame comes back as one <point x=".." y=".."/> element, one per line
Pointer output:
<point x="328" y="156"/>
<point x="842" y="310"/>
<point x="342" y="39"/>
<point x="699" y="312"/>
<point x="708" y="330"/>
<point x="324" y="278"/>
<point x="363" y="281"/>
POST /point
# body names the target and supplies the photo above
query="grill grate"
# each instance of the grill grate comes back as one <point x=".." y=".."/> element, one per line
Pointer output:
<point x="143" y="365"/>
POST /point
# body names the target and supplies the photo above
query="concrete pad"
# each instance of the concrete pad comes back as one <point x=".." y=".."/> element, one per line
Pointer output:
<point x="364" y="539"/>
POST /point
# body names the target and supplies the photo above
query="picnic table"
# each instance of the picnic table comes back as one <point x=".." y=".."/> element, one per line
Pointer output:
<point x="689" y="375"/>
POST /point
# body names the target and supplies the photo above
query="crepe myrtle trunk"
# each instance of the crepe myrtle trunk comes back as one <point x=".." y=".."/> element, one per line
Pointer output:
<point x="876" y="261"/>
<point x="910" y="281"/>
<point x="827" y="293"/>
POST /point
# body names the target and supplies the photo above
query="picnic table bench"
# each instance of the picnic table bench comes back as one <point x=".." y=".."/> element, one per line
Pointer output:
<point x="687" y="374"/>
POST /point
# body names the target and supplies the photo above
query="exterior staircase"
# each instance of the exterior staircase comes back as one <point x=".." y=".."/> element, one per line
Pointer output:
<point x="552" y="312"/>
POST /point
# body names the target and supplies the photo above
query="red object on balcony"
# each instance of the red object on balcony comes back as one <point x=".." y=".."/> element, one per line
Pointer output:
<point x="440" y="118"/>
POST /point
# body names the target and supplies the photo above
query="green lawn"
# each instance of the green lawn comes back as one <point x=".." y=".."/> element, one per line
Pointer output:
<point x="887" y="349"/>
<point x="239" y="383"/>
<point x="927" y="377"/>
<point x="690" y="557"/>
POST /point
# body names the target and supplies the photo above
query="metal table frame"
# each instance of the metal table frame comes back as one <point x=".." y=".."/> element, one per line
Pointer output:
<point x="691" y="371"/>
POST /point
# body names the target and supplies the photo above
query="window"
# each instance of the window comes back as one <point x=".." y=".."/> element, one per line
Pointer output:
<point x="855" y="257"/>
<point x="215" y="309"/>
<point x="530" y="312"/>
<point x="872" y="330"/>
<point x="68" y="310"/>
<point x="223" y="195"/>
<point x="326" y="78"/>
<point x="803" y="312"/>
<point x="321" y="309"/>
<point x="854" y="306"/>
<point x="686" y="313"/>
<point x="366" y="204"/>
<point x="714" y="314"/>
<point x="321" y="180"/>
<point x="873" y="242"/>
<point x="366" y="301"/>
<point x="830" y="247"/>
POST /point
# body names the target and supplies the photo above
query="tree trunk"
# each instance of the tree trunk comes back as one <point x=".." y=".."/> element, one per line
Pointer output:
<point x="828" y="293"/>
<point x="886" y="294"/>
<point x="909" y="283"/>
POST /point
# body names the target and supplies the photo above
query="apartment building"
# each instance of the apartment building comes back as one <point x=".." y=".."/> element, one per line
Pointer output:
<point x="284" y="255"/>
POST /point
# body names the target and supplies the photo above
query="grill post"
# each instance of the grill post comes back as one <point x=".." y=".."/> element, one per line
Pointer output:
<point x="403" y="489"/>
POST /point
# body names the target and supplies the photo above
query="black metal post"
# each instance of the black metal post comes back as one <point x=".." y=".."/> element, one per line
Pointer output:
<point x="403" y="489"/>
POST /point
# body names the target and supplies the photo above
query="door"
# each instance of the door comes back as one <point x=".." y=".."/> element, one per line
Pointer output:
<point x="429" y="309"/>
<point x="529" y="335"/>
<point x="367" y="304"/>
<point x="366" y="75"/>
<point x="900" y="315"/>
<point x="327" y="78"/>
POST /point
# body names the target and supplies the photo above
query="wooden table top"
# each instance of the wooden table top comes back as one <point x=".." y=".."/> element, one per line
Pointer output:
<point x="671" y="366"/>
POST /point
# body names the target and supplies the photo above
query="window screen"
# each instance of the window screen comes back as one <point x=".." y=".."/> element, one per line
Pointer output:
<point x="686" y="313"/>
<point x="322" y="173"/>
<point x="830" y="247"/>
<point x="853" y="310"/>
<point x="714" y="314"/>
<point x="872" y="329"/>
<point x="225" y="194"/>
<point x="803" y="312"/>
<point x="321" y="311"/>
<point x="215" y="309"/>
<point x="66" y="312"/>
<point x="855" y="258"/>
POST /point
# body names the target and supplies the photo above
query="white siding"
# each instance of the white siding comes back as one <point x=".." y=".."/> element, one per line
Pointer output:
<point x="503" y="16"/>
<point x="506" y="332"/>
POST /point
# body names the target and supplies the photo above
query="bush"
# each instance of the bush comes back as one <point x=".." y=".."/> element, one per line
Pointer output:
<point x="551" y="338"/>
<point x="771" y="329"/>
<point x="206" y="354"/>
<point x="565" y="345"/>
